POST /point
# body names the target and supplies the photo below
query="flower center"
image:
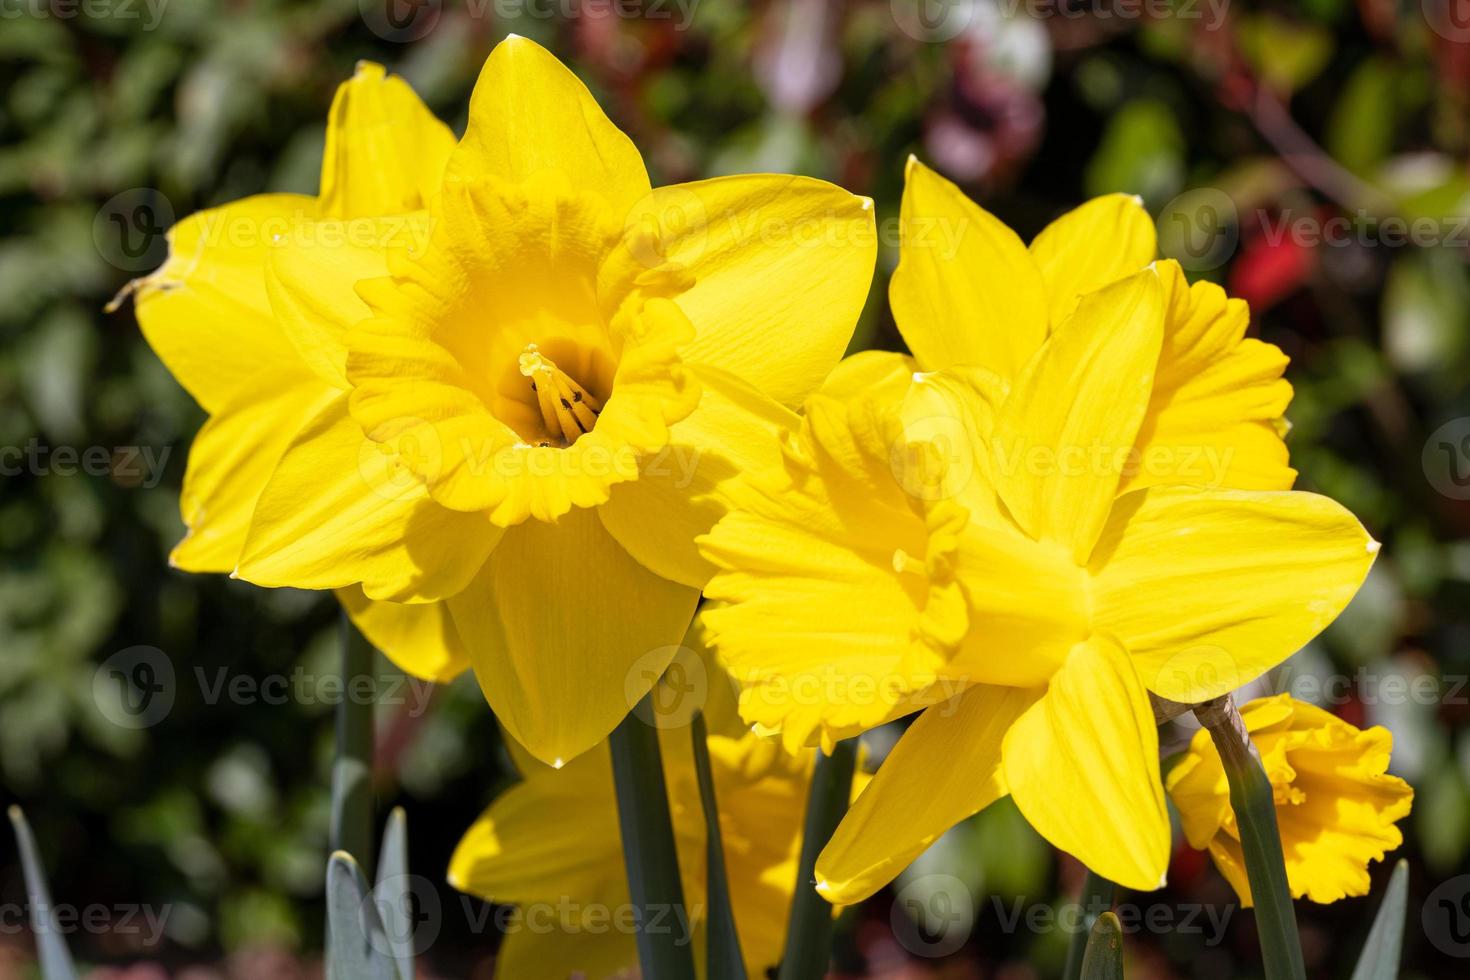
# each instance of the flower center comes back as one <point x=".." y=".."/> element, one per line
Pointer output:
<point x="568" y="410"/>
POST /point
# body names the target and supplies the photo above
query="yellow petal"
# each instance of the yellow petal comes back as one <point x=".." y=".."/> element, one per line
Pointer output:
<point x="966" y="291"/>
<point x="339" y="511"/>
<point x="312" y="282"/>
<point x="1063" y="436"/>
<point x="567" y="632"/>
<point x="1029" y="604"/>
<point x="529" y="113"/>
<point x="946" y="767"/>
<point x="1209" y="589"/>
<point x="598" y="950"/>
<point x="209" y="297"/>
<point x="419" y="637"/>
<point x="1214" y="418"/>
<point x="518" y="850"/>
<point x="1082" y="764"/>
<point x="232" y="459"/>
<point x="781" y="266"/>
<point x="1107" y="239"/>
<point x="684" y="488"/>
<point x="881" y="374"/>
<point x="385" y="151"/>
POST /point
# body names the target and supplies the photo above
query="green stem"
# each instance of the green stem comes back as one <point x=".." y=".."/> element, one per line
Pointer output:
<point x="1254" y="804"/>
<point x="724" y="958"/>
<point x="1095" y="899"/>
<point x="352" y="770"/>
<point x="809" y="933"/>
<point x="648" y="849"/>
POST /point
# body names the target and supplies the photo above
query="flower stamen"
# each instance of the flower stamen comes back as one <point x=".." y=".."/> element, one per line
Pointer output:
<point x="568" y="410"/>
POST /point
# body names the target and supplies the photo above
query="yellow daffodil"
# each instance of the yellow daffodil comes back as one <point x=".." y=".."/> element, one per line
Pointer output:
<point x="1336" y="805"/>
<point x="971" y="538"/>
<point x="551" y="846"/>
<point x="207" y="314"/>
<point x="531" y="395"/>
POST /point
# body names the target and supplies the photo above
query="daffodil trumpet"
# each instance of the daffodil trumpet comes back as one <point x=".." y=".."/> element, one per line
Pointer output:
<point x="1253" y="802"/>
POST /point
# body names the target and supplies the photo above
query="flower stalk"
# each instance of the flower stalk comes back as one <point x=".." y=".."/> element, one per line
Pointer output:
<point x="648" y="845"/>
<point x="352" y="769"/>
<point x="809" y="932"/>
<point x="724" y="961"/>
<point x="1252" y="800"/>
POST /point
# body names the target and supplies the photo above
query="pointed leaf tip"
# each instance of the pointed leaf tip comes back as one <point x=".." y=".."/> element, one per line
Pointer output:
<point x="1104" y="957"/>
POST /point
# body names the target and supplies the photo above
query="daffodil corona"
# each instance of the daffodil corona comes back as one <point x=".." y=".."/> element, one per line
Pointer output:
<point x="1336" y="804"/>
<point x="523" y="392"/>
<point x="1010" y="530"/>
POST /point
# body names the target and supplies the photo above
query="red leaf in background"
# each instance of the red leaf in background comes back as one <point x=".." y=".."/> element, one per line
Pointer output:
<point x="1269" y="269"/>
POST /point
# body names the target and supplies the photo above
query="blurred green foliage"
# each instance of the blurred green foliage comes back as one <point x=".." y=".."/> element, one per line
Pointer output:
<point x="1292" y="112"/>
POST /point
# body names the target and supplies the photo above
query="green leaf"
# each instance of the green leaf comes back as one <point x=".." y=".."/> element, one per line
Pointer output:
<point x="357" y="944"/>
<point x="1141" y="152"/>
<point x="1361" y="129"/>
<point x="56" y="962"/>
<point x="1286" y="54"/>
<point x="724" y="959"/>
<point x="1096" y="899"/>
<point x="1380" y="957"/>
<point x="1104" y="957"/>
<point x="809" y="933"/>
<point x="392" y="889"/>
<point x="648" y="844"/>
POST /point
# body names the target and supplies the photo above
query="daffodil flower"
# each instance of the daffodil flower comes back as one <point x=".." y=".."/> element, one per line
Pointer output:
<point x="207" y="314"/>
<point x="971" y="540"/>
<point x="1336" y="804"/>
<point x="550" y="845"/>
<point x="528" y="398"/>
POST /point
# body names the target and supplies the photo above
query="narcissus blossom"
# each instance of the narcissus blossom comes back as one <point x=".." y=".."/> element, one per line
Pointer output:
<point x="533" y="392"/>
<point x="1336" y="804"/>
<point x="551" y="846"/>
<point x="987" y="538"/>
<point x="207" y="313"/>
